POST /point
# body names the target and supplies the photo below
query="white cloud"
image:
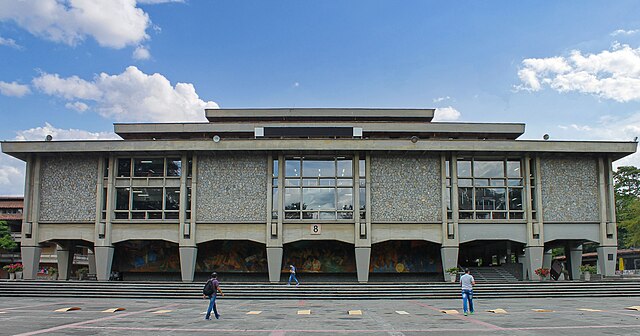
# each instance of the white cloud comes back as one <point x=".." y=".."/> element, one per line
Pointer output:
<point x="9" y="43"/>
<point x="446" y="114"/>
<point x="39" y="134"/>
<point x="441" y="99"/>
<point x="576" y="127"/>
<point x="130" y="96"/>
<point x="141" y="53"/>
<point x="611" y="74"/>
<point x="12" y="171"/>
<point x="77" y="106"/>
<point x="112" y="23"/>
<point x="625" y="32"/>
<point x="14" y="89"/>
<point x="154" y="2"/>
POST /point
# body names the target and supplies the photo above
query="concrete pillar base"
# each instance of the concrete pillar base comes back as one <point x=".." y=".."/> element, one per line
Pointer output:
<point x="547" y="258"/>
<point x="575" y="260"/>
<point x="104" y="259"/>
<point x="533" y="255"/>
<point x="363" y="257"/>
<point x="188" y="255"/>
<point x="274" y="259"/>
<point x="92" y="262"/>
<point x="607" y="260"/>
<point x="449" y="257"/>
<point x="30" y="261"/>
<point x="65" y="261"/>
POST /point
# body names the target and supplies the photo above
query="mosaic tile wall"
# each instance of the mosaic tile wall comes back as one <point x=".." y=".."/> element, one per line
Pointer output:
<point x="405" y="187"/>
<point x="232" y="187"/>
<point x="68" y="188"/>
<point x="569" y="189"/>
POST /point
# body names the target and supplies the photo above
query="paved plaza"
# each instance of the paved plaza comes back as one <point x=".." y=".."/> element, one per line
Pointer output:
<point x="573" y="316"/>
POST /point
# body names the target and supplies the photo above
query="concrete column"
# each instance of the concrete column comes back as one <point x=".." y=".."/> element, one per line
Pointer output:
<point x="607" y="260"/>
<point x="92" y="262"/>
<point x="104" y="258"/>
<point x="188" y="255"/>
<point x="574" y="261"/>
<point x="533" y="255"/>
<point x="449" y="257"/>
<point x="274" y="260"/>
<point x="525" y="266"/>
<point x="547" y="258"/>
<point x="65" y="261"/>
<point x="363" y="257"/>
<point x="30" y="261"/>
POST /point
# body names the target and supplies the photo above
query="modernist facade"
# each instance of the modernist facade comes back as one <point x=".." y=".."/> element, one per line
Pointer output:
<point x="356" y="192"/>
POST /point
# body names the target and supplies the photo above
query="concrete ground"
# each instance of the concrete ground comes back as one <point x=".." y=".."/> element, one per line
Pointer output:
<point x="562" y="316"/>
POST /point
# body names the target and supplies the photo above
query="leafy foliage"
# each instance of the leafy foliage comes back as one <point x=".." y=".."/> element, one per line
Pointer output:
<point x="627" y="190"/>
<point x="6" y="241"/>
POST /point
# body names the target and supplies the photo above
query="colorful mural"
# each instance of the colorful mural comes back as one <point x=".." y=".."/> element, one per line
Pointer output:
<point x="232" y="256"/>
<point x="146" y="256"/>
<point x="319" y="257"/>
<point x="405" y="257"/>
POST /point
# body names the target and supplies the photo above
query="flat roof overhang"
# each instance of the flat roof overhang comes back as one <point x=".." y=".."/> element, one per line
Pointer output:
<point x="137" y="131"/>
<point x="22" y="149"/>
<point x="322" y="114"/>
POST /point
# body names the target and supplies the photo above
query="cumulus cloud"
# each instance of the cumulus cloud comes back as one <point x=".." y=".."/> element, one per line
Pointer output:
<point x="141" y="53"/>
<point x="440" y="99"/>
<point x="77" y="106"/>
<point x="39" y="133"/>
<point x="12" y="171"/>
<point x="9" y="43"/>
<point x="625" y="32"/>
<point x="112" y="23"/>
<point x="14" y="89"/>
<point x="130" y="96"/>
<point x="611" y="74"/>
<point x="446" y="114"/>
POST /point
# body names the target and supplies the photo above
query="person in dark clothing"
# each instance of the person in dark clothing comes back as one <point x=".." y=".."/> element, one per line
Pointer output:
<point x="210" y="292"/>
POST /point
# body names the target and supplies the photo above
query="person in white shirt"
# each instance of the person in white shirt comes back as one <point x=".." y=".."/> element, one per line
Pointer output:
<point x="466" y="282"/>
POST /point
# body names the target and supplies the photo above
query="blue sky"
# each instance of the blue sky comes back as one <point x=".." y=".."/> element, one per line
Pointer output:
<point x="71" y="68"/>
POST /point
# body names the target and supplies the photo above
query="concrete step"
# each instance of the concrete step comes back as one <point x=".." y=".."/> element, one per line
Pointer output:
<point x="179" y="290"/>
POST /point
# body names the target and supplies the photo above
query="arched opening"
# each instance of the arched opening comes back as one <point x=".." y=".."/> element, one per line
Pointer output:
<point x="320" y="260"/>
<point x="147" y="260"/>
<point x="493" y="260"/>
<point x="233" y="260"/>
<point x="405" y="260"/>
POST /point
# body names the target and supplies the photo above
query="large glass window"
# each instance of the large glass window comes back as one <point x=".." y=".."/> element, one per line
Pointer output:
<point x="489" y="189"/>
<point x="147" y="203"/>
<point x="318" y="188"/>
<point x="151" y="167"/>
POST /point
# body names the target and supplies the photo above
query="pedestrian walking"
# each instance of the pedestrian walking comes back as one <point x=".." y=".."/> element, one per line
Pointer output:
<point x="466" y="282"/>
<point x="210" y="291"/>
<point x="292" y="276"/>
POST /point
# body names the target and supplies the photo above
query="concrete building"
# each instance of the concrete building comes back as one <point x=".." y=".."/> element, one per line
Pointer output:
<point x="356" y="192"/>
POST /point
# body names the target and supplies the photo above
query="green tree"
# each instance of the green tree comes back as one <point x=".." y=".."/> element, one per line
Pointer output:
<point x="6" y="241"/>
<point x="627" y="190"/>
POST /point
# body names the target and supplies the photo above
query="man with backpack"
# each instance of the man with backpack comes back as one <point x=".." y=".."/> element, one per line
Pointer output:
<point x="210" y="291"/>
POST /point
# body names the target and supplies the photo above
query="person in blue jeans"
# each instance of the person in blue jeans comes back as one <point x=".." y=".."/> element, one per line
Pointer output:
<point x="292" y="276"/>
<point x="215" y="285"/>
<point x="466" y="282"/>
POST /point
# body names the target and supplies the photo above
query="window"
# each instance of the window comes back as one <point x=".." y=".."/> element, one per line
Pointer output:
<point x="488" y="189"/>
<point x="319" y="188"/>
<point x="151" y="167"/>
<point x="147" y="203"/>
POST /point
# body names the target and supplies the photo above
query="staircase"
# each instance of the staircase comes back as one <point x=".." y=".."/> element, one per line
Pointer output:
<point x="179" y="290"/>
<point x="492" y="274"/>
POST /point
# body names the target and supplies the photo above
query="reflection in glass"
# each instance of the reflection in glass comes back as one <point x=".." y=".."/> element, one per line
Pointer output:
<point x="318" y="167"/>
<point x="361" y="167"/>
<point x="172" y="199"/>
<point x="124" y="167"/>
<point x="490" y="198"/>
<point x="345" y="199"/>
<point x="292" y="199"/>
<point x="513" y="169"/>
<point x="148" y="167"/>
<point x="122" y="199"/>
<point x="147" y="199"/>
<point x="515" y="198"/>
<point x="464" y="168"/>
<point x="292" y="167"/>
<point x="174" y="167"/>
<point x="275" y="167"/>
<point x="465" y="198"/>
<point x="319" y="198"/>
<point x="488" y="168"/>
<point x="345" y="167"/>
<point x="363" y="199"/>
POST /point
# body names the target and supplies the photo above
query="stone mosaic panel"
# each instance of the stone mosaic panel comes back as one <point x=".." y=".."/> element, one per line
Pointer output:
<point x="569" y="189"/>
<point x="232" y="187"/>
<point x="68" y="188"/>
<point x="405" y="187"/>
